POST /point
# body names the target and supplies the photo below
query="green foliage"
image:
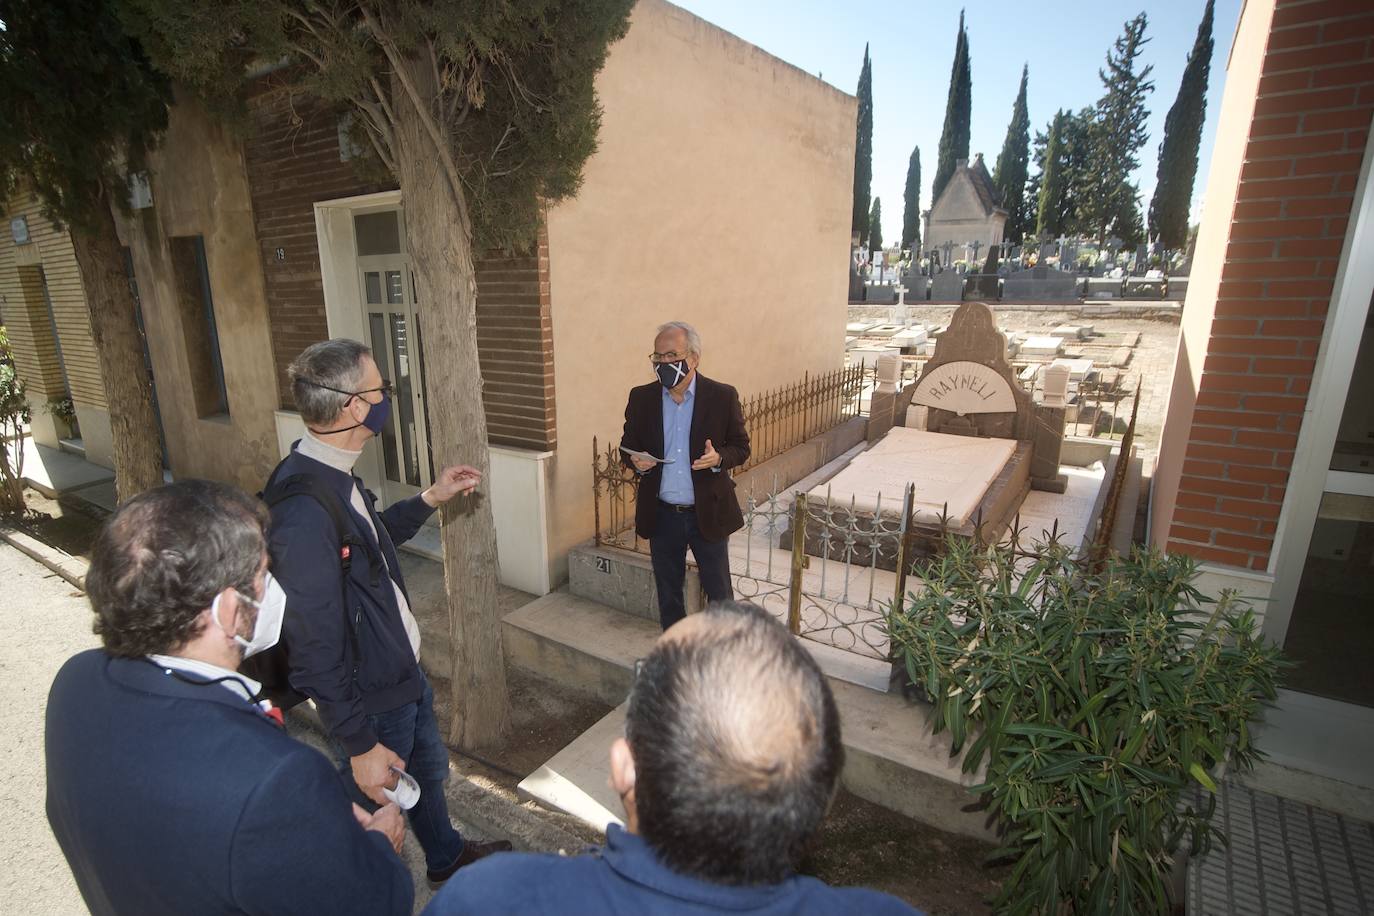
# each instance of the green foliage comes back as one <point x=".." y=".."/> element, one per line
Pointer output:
<point x="1117" y="133"/>
<point x="911" y="198"/>
<point x="863" y="151"/>
<point x="954" y="137"/>
<point x="1182" y="137"/>
<point x="79" y="105"/>
<point x="14" y="417"/>
<point x="507" y="88"/>
<point x="875" y="226"/>
<point x="1096" y="702"/>
<point x="1010" y="173"/>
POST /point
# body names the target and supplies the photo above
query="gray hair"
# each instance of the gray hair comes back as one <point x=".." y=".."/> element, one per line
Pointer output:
<point x="321" y="373"/>
<point x="693" y="338"/>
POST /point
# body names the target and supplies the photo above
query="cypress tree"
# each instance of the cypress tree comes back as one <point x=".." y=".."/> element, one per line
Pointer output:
<point x="954" y="137"/>
<point x="911" y="215"/>
<point x="1053" y="184"/>
<point x="1118" y="130"/>
<point x="875" y="226"/>
<point x="1182" y="137"/>
<point x="1010" y="173"/>
<point x="863" y="150"/>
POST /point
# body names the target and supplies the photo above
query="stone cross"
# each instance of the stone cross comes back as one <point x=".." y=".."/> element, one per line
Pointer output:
<point x="975" y="245"/>
<point x="949" y="249"/>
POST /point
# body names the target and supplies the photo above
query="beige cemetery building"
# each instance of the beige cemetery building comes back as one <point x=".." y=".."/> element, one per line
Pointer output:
<point x="967" y="216"/>
<point x="249" y="249"/>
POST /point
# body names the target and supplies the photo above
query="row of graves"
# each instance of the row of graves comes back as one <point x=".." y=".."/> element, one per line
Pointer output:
<point x="1062" y="272"/>
<point x="1072" y="365"/>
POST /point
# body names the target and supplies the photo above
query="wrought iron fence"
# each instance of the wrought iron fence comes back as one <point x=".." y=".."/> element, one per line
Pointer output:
<point x="832" y="570"/>
<point x="787" y="416"/>
<point x="777" y="420"/>
<point x="1098" y="405"/>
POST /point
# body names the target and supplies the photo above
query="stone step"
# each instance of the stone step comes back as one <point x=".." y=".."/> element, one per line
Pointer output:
<point x="892" y="757"/>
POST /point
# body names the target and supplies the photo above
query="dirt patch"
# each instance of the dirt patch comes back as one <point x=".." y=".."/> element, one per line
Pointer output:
<point x="863" y="844"/>
<point x="67" y="523"/>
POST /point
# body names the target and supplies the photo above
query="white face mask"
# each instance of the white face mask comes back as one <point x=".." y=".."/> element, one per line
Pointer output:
<point x="267" y="628"/>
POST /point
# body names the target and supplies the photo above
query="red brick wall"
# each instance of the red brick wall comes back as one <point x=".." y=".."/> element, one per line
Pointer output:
<point x="1302" y="160"/>
<point x="292" y="160"/>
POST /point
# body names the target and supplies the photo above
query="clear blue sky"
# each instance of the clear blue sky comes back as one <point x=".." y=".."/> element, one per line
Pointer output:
<point x="912" y="46"/>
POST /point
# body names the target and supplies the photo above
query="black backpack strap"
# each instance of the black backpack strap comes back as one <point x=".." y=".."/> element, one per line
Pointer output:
<point x="279" y="491"/>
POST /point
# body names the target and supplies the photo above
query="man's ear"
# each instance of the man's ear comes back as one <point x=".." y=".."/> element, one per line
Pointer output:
<point x="622" y="768"/>
<point x="228" y="610"/>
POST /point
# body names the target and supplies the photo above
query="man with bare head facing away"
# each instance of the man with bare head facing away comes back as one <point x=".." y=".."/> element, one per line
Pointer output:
<point x="730" y="760"/>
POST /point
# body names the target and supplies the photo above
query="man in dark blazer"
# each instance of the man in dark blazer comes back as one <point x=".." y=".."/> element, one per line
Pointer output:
<point x="170" y="789"/>
<point x="683" y="433"/>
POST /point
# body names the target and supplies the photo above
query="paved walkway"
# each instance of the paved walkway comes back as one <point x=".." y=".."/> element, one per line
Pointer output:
<point x="43" y="622"/>
<point x="1284" y="858"/>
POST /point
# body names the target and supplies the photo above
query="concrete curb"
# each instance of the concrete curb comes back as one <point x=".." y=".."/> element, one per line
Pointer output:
<point x="73" y="569"/>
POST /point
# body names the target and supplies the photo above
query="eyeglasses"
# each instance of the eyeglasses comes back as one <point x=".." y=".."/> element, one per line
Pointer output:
<point x="385" y="388"/>
<point x="669" y="357"/>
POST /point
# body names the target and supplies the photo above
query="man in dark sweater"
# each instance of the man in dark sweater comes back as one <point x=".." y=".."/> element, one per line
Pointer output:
<point x="730" y="759"/>
<point x="355" y="649"/>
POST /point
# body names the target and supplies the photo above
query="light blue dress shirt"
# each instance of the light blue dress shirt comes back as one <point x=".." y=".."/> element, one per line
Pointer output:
<point x="676" y="484"/>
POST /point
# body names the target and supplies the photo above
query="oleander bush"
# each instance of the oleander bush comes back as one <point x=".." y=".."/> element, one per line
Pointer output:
<point x="1097" y="700"/>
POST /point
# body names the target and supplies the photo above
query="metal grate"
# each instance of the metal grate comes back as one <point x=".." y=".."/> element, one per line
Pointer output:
<point x="1284" y="857"/>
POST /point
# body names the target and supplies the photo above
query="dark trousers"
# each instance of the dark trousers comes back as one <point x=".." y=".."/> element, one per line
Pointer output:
<point x="412" y="733"/>
<point x="674" y="532"/>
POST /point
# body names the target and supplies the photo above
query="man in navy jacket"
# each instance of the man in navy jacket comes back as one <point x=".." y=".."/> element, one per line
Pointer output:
<point x="169" y="790"/>
<point x="730" y="759"/>
<point x="350" y="635"/>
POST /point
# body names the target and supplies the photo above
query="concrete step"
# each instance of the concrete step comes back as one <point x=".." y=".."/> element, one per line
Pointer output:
<point x="892" y="757"/>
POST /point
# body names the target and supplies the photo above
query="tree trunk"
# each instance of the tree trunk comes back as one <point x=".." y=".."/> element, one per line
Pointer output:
<point x="119" y="346"/>
<point x="439" y="237"/>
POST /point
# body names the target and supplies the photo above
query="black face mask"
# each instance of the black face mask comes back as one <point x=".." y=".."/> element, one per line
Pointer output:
<point x="670" y="375"/>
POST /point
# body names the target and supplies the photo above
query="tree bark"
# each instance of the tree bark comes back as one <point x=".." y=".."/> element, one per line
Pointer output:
<point x="439" y="237"/>
<point x="119" y="346"/>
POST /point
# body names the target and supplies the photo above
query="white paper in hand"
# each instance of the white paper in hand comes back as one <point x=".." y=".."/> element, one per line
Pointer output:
<point x="407" y="792"/>
<point x="645" y="456"/>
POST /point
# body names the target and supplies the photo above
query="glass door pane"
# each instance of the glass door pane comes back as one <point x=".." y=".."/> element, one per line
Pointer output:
<point x="1331" y="632"/>
<point x="1331" y="635"/>
<point x="381" y="350"/>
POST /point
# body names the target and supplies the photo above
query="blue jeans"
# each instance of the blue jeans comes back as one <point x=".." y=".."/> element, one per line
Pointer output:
<point x="412" y="733"/>
<point x="674" y="533"/>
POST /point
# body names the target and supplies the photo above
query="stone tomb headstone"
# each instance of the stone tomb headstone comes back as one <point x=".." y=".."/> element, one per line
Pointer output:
<point x="969" y="385"/>
<point x="948" y="286"/>
<point x="1041" y="284"/>
<point x="1056" y="385"/>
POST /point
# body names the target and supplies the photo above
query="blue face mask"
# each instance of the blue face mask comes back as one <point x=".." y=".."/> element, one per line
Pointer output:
<point x="378" y="415"/>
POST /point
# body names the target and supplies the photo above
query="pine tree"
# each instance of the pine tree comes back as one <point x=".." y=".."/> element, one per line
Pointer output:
<point x="863" y="151"/>
<point x="1182" y="137"/>
<point x="1118" y="130"/>
<point x="483" y="114"/>
<point x="1010" y="173"/>
<point x="911" y="215"/>
<point x="80" y="108"/>
<point x="875" y="226"/>
<point x="954" y="138"/>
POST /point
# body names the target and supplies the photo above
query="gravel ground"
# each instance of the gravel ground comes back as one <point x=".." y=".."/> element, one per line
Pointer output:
<point x="43" y="622"/>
